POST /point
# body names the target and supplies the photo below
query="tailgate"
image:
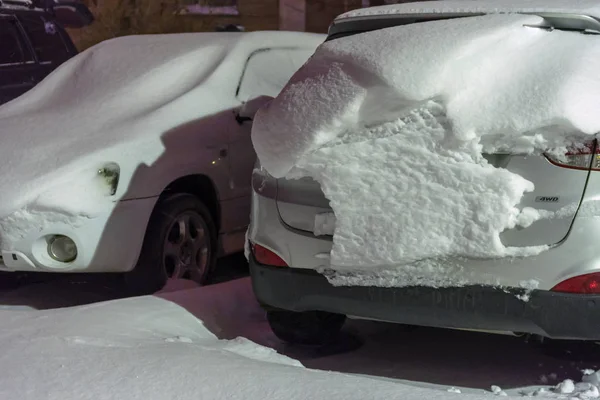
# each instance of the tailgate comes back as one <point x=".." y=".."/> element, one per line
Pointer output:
<point x="556" y="188"/>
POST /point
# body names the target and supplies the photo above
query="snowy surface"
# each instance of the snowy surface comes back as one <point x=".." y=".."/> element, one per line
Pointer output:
<point x="186" y="344"/>
<point x="324" y="224"/>
<point x="140" y="348"/>
<point x="115" y="103"/>
<point x="83" y="113"/>
<point x="393" y="124"/>
<point x="585" y="7"/>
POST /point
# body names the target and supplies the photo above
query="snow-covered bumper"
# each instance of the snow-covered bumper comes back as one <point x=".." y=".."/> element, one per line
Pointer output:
<point x="550" y="314"/>
<point x="107" y="242"/>
<point x="483" y="303"/>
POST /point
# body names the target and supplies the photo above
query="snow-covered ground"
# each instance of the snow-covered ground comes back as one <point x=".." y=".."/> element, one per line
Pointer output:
<point x="213" y="342"/>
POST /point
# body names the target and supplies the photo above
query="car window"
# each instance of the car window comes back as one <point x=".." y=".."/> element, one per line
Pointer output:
<point x="267" y="71"/>
<point x="12" y="50"/>
<point x="45" y="39"/>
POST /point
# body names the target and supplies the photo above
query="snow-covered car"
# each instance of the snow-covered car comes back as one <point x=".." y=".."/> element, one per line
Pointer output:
<point x="448" y="177"/>
<point x="137" y="153"/>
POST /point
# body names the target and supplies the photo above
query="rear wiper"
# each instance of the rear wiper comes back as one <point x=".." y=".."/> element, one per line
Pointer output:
<point x="591" y="32"/>
<point x="548" y="28"/>
<point x="551" y="28"/>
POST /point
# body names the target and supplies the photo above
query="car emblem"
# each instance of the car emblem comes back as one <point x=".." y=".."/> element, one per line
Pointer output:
<point x="547" y="199"/>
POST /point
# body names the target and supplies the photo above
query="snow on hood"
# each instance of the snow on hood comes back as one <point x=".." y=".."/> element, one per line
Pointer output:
<point x="392" y="124"/>
<point x="113" y="102"/>
<point x="125" y="90"/>
<point x="583" y="7"/>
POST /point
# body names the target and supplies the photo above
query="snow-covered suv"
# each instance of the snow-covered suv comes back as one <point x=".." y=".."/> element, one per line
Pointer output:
<point x="553" y="291"/>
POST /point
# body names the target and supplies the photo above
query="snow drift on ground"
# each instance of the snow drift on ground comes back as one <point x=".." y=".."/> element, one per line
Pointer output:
<point x="393" y="123"/>
<point x="116" y="103"/>
<point x="151" y="348"/>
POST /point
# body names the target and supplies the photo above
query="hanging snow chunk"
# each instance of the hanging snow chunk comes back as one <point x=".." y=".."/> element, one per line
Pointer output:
<point x="394" y="124"/>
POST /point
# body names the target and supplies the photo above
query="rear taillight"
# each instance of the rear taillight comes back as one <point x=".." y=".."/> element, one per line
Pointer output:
<point x="579" y="157"/>
<point x="582" y="284"/>
<point x="265" y="256"/>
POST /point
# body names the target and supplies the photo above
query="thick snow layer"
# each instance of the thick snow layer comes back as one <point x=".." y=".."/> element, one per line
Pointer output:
<point x="111" y="94"/>
<point x="586" y="389"/>
<point x="324" y="224"/>
<point x="585" y="7"/>
<point x="153" y="349"/>
<point x="393" y="124"/>
<point x="160" y="331"/>
<point x="114" y="103"/>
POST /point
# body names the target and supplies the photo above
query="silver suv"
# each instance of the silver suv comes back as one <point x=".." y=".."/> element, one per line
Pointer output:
<point x="303" y="307"/>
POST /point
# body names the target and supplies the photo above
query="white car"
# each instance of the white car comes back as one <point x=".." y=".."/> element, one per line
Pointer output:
<point x="135" y="156"/>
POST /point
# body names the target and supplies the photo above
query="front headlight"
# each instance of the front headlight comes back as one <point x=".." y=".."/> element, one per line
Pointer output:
<point x="110" y="173"/>
<point x="62" y="248"/>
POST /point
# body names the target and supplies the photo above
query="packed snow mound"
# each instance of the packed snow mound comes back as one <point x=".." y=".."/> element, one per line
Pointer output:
<point x="153" y="349"/>
<point x="584" y="7"/>
<point x="114" y="103"/>
<point x="122" y="91"/>
<point x="585" y="390"/>
<point x="375" y="77"/>
<point x="393" y="124"/>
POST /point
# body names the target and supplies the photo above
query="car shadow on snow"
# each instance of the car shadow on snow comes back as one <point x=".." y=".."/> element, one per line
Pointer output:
<point x="203" y="139"/>
<point x="43" y="291"/>
<point x="439" y="357"/>
<point x="450" y="358"/>
<point x="419" y="356"/>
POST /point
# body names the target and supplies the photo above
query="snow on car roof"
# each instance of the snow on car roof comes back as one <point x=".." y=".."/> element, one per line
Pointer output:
<point x="582" y="7"/>
<point x="128" y="89"/>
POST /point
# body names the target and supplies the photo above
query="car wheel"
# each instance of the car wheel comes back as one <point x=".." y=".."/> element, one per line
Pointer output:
<point x="306" y="328"/>
<point x="180" y="243"/>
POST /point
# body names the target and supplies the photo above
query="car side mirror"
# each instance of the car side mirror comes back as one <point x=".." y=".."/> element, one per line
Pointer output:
<point x="248" y="109"/>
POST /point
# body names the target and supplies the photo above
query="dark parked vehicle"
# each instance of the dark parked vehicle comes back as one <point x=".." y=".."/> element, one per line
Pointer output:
<point x="33" y="41"/>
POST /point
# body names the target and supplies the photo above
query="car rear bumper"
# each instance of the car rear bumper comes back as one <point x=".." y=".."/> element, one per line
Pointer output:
<point x="554" y="315"/>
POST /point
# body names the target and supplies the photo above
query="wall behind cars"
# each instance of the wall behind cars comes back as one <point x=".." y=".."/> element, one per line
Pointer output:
<point x="129" y="17"/>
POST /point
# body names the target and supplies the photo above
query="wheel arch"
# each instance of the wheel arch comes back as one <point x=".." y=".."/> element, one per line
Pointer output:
<point x="203" y="188"/>
<point x="199" y="186"/>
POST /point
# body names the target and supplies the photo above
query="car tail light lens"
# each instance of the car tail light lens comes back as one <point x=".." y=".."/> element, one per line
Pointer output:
<point x="265" y="256"/>
<point x="579" y="157"/>
<point x="582" y="284"/>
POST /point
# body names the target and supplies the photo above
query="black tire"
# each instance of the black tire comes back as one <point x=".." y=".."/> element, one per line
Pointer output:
<point x="153" y="269"/>
<point x="305" y="328"/>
